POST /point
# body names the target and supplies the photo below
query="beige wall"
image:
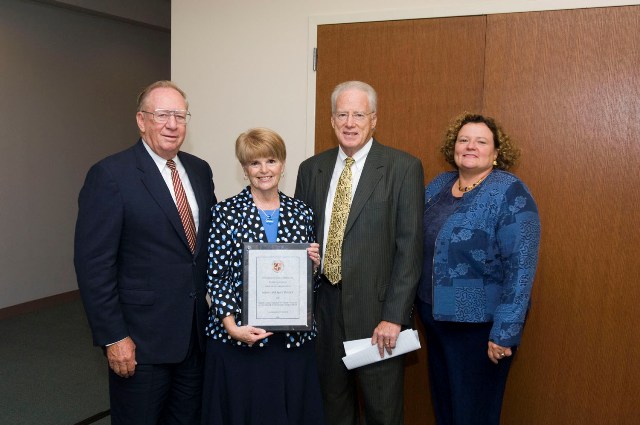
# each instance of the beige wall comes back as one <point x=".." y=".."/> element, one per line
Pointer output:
<point x="248" y="63"/>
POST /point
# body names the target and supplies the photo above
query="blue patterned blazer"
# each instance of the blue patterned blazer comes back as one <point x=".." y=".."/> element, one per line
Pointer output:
<point x="234" y="221"/>
<point x="486" y="255"/>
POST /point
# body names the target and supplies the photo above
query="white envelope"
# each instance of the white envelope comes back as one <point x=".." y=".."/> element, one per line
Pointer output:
<point x="360" y="352"/>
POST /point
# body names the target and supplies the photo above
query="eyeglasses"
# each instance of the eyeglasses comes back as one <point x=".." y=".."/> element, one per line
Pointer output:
<point x="357" y="116"/>
<point x="161" y="116"/>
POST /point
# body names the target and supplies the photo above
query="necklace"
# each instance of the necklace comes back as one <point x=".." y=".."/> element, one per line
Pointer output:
<point x="268" y="218"/>
<point x="468" y="188"/>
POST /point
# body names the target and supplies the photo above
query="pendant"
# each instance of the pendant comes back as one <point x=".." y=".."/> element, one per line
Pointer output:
<point x="268" y="219"/>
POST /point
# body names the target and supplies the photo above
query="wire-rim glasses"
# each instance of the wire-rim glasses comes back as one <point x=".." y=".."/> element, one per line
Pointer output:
<point x="161" y="116"/>
<point x="358" y="117"/>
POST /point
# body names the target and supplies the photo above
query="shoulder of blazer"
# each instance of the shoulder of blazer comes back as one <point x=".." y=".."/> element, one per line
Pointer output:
<point x="294" y="205"/>
<point x="193" y="160"/>
<point x="120" y="166"/>
<point x="390" y="154"/>
<point x="128" y="155"/>
<point x="321" y="160"/>
<point x="440" y="181"/>
<point x="241" y="201"/>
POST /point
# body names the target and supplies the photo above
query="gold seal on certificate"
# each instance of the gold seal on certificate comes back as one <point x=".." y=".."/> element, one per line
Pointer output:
<point x="277" y="286"/>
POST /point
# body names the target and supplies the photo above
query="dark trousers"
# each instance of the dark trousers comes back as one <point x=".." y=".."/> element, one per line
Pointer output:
<point x="381" y="384"/>
<point x="466" y="387"/>
<point x="166" y="394"/>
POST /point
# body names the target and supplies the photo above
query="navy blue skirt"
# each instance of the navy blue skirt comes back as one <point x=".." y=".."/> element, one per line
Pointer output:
<point x="271" y="385"/>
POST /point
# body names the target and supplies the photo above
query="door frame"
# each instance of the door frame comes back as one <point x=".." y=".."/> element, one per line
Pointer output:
<point x="439" y="9"/>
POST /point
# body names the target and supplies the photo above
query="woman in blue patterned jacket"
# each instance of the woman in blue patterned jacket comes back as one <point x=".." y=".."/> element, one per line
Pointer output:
<point x="253" y="376"/>
<point x="481" y="237"/>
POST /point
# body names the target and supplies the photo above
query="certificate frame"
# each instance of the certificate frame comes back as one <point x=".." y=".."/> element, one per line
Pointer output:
<point x="277" y="293"/>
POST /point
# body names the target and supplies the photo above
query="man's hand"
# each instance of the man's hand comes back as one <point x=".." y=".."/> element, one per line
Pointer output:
<point x="384" y="336"/>
<point x="122" y="357"/>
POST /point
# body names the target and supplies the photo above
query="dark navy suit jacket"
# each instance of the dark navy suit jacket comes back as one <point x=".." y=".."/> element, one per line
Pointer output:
<point x="136" y="274"/>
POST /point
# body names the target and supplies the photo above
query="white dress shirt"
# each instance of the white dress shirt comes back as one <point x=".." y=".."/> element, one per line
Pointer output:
<point x="360" y="158"/>
<point x="186" y="184"/>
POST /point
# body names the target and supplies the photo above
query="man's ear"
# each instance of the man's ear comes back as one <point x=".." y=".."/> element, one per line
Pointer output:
<point x="140" y="121"/>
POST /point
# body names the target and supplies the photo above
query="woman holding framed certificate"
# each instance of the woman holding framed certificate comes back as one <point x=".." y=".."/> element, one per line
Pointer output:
<point x="252" y="375"/>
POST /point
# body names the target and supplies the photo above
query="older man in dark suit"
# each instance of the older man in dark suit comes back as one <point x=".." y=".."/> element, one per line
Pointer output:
<point x="368" y="200"/>
<point x="140" y="258"/>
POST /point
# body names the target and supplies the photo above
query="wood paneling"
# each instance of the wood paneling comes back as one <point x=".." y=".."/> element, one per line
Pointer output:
<point x="566" y="85"/>
<point x="425" y="72"/>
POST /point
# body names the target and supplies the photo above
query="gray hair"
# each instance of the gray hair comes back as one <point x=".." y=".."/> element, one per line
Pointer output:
<point x="144" y="94"/>
<point x="358" y="85"/>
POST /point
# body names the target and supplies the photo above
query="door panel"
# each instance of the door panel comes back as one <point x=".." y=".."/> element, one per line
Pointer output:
<point x="565" y="85"/>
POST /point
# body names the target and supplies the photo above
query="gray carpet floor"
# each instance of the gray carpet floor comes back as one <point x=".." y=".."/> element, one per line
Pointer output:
<point x="50" y="373"/>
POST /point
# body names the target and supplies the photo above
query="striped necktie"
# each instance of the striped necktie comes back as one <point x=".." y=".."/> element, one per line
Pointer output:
<point x="184" y="209"/>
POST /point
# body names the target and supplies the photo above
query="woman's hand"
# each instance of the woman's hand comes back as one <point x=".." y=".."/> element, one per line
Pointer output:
<point x="497" y="352"/>
<point x="314" y="254"/>
<point x="247" y="334"/>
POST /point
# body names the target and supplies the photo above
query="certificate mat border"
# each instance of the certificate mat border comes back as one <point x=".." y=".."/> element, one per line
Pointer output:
<point x="247" y="249"/>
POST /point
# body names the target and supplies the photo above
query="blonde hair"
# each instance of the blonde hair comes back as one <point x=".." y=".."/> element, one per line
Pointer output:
<point x="260" y="143"/>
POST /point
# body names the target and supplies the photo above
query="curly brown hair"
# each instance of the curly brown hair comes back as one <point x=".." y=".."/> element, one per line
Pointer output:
<point x="508" y="152"/>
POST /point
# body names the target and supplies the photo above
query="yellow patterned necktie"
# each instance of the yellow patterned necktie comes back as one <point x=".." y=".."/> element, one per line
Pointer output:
<point x="339" y="215"/>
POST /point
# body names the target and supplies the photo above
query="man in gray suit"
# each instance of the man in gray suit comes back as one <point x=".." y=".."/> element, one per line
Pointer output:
<point x="369" y="292"/>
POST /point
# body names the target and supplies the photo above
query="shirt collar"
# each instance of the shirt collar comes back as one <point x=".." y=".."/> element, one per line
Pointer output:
<point x="359" y="156"/>
<point x="160" y="161"/>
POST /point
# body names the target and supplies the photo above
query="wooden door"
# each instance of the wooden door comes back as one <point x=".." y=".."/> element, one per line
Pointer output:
<point x="565" y="85"/>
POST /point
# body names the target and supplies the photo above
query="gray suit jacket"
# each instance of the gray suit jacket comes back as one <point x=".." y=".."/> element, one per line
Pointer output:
<point x="382" y="247"/>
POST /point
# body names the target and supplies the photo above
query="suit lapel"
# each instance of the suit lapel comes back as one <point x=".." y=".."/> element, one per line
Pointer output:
<point x="155" y="184"/>
<point x="252" y="227"/>
<point x="284" y="228"/>
<point x="371" y="174"/>
<point x="325" y="171"/>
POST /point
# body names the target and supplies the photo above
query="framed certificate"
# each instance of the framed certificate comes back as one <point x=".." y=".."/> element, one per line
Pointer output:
<point x="277" y="286"/>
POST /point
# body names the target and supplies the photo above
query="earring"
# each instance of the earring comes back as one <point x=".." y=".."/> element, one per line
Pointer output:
<point x="245" y="177"/>
<point x="495" y="162"/>
<point x="282" y="175"/>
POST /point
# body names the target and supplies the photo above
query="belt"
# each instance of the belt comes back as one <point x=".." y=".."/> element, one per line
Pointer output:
<point x="325" y="279"/>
